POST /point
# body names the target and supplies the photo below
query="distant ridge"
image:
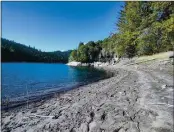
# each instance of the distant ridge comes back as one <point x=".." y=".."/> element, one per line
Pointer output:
<point x="16" y="52"/>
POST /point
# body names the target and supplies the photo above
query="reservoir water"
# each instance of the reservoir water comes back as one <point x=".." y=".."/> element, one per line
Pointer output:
<point x="24" y="80"/>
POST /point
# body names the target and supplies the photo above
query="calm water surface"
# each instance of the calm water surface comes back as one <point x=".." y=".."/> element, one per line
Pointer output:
<point x="30" y="79"/>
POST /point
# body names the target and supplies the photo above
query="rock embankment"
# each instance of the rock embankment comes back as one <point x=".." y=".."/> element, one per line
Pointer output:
<point x="94" y="64"/>
<point x="74" y="63"/>
<point x="139" y="98"/>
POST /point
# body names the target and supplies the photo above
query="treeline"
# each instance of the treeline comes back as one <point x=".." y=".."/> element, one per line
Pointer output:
<point x="92" y="51"/>
<point x="16" y="52"/>
<point x="144" y="28"/>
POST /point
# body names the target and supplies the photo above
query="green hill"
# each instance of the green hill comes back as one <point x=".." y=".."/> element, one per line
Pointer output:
<point x="16" y="52"/>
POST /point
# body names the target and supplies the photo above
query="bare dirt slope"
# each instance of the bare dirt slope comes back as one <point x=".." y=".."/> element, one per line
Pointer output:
<point x="139" y="98"/>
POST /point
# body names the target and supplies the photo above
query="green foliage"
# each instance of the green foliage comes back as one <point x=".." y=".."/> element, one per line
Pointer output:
<point x="82" y="53"/>
<point x="15" y="52"/>
<point x="73" y="55"/>
<point x="86" y="53"/>
<point x="130" y="51"/>
<point x="145" y="28"/>
<point x="80" y="44"/>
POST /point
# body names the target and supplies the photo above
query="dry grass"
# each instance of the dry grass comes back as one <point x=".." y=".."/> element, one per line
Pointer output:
<point x="163" y="55"/>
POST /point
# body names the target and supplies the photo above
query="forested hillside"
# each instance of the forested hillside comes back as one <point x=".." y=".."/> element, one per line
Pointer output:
<point x="16" y="52"/>
<point x="144" y="28"/>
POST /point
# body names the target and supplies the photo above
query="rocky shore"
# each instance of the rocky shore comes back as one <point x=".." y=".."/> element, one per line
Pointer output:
<point x="139" y="98"/>
<point x="95" y="64"/>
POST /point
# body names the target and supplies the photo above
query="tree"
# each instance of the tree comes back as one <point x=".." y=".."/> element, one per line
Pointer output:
<point x="73" y="56"/>
<point x="80" y="44"/>
<point x="82" y="53"/>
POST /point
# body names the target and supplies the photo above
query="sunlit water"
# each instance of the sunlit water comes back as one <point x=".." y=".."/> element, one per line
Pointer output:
<point x="21" y="80"/>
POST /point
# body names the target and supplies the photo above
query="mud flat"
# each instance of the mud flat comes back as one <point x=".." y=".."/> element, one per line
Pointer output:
<point x="139" y="98"/>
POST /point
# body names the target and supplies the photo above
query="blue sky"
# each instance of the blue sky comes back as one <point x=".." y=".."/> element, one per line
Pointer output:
<point x="52" y="26"/>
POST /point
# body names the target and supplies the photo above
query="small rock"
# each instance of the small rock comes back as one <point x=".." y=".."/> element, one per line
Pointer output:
<point x="117" y="130"/>
<point x="103" y="116"/>
<point x="122" y="130"/>
<point x="92" y="125"/>
<point x="34" y="111"/>
<point x="46" y="126"/>
<point x="88" y="119"/>
<point x="72" y="130"/>
<point x="98" y="109"/>
<point x="112" y="95"/>
<point x="56" y="117"/>
<point x="102" y="130"/>
<point x="92" y="114"/>
<point x="124" y="113"/>
<point x="164" y="86"/>
<point x="42" y="107"/>
<point x="83" y="128"/>
<point x="171" y="56"/>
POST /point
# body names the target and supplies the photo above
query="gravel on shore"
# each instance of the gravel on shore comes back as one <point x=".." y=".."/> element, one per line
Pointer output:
<point x="139" y="98"/>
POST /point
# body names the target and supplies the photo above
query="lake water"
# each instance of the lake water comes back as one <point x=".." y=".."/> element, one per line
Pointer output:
<point x="24" y="80"/>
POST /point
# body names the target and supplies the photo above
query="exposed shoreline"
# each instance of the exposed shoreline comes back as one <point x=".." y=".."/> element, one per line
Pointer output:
<point x="94" y="64"/>
<point x="137" y="98"/>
